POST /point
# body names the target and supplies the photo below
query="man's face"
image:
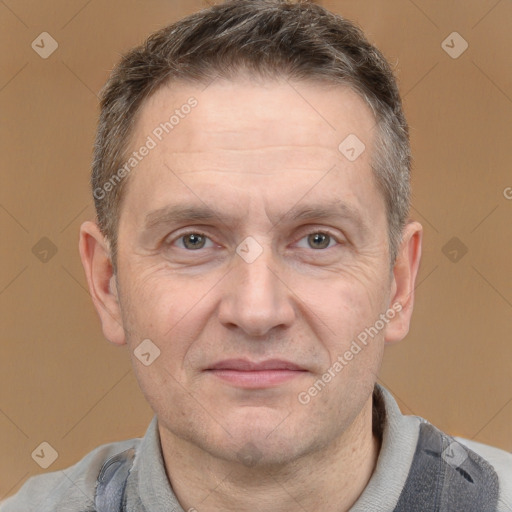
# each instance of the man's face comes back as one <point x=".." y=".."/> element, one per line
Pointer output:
<point x="313" y="274"/>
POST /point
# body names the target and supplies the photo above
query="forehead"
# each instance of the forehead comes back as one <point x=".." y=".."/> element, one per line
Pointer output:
<point x="263" y="143"/>
<point x="249" y="114"/>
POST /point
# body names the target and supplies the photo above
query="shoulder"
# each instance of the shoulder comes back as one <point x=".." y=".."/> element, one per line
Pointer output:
<point x="68" y="490"/>
<point x="501" y="461"/>
<point x="463" y="474"/>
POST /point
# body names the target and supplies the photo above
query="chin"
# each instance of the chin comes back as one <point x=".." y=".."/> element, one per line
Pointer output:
<point x="263" y="443"/>
<point x="262" y="453"/>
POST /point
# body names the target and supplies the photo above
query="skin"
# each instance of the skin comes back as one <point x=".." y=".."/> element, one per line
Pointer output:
<point x="252" y="152"/>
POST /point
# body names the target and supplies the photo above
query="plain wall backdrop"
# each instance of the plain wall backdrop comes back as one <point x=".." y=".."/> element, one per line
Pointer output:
<point x="62" y="383"/>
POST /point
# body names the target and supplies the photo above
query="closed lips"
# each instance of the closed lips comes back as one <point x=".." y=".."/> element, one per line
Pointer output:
<point x="244" y="365"/>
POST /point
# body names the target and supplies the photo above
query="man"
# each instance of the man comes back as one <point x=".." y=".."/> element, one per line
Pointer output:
<point x="253" y="250"/>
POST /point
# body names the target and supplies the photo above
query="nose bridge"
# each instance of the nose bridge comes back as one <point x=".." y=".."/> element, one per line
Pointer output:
<point x="257" y="300"/>
<point x="256" y="267"/>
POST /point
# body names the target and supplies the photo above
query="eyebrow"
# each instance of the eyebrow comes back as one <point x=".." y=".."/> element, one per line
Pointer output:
<point x="180" y="213"/>
<point x="186" y="212"/>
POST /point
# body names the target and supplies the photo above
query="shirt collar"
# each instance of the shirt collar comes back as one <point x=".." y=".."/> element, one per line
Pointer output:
<point x="150" y="489"/>
<point x="398" y="446"/>
<point x="399" y="436"/>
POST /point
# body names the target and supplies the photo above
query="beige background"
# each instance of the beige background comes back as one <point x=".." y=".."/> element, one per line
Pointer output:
<point x="62" y="383"/>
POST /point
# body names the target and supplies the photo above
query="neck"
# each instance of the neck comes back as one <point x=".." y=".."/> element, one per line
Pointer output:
<point x="331" y="479"/>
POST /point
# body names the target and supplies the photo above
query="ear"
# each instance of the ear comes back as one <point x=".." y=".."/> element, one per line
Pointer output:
<point x="95" y="255"/>
<point x="405" y="272"/>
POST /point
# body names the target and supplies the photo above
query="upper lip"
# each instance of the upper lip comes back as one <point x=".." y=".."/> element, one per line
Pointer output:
<point x="251" y="366"/>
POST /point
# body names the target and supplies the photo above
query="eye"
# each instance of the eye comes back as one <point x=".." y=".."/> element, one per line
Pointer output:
<point x="319" y="240"/>
<point x="193" y="241"/>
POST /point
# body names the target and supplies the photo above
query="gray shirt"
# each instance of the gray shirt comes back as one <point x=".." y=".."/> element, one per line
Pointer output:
<point x="148" y="488"/>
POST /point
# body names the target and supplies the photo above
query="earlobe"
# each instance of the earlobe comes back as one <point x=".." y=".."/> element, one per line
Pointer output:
<point x="405" y="272"/>
<point x="95" y="255"/>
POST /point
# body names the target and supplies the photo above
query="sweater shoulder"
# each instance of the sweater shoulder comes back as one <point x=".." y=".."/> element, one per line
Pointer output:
<point x="67" y="490"/>
<point x="501" y="461"/>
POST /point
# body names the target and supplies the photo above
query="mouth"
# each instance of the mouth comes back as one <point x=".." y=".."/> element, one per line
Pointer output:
<point x="249" y="374"/>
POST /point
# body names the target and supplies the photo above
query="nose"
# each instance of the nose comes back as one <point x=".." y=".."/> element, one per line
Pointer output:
<point x="256" y="297"/>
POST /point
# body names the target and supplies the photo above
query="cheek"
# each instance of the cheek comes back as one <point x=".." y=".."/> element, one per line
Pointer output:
<point x="343" y="306"/>
<point x="167" y="312"/>
<point x="346" y="315"/>
<point x="157" y="301"/>
<point x="170" y="310"/>
<point x="345" y="318"/>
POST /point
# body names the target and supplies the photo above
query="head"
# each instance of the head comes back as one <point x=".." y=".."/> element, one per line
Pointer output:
<point x="233" y="222"/>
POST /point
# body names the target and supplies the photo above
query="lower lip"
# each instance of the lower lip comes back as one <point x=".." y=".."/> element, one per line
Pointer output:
<point x="257" y="379"/>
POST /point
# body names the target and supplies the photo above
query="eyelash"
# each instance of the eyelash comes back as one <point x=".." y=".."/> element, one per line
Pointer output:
<point x="200" y="233"/>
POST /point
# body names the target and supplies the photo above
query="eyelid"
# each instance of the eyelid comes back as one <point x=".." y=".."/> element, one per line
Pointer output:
<point x="310" y="229"/>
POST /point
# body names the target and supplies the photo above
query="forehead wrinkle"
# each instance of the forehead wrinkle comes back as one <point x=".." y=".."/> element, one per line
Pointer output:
<point x="256" y="173"/>
<point x="264" y="161"/>
<point x="264" y="148"/>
